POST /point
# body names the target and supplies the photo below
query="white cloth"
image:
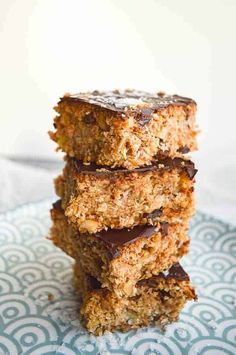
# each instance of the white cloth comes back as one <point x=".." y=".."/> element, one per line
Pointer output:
<point x="20" y="184"/>
<point x="216" y="186"/>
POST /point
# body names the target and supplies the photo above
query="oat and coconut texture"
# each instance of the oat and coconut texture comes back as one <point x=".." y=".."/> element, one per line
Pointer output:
<point x="124" y="129"/>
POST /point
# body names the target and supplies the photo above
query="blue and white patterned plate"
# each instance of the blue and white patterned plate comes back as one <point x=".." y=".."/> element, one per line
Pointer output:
<point x="38" y="306"/>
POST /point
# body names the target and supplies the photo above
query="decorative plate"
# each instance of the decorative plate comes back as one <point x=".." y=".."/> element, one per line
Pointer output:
<point x="38" y="306"/>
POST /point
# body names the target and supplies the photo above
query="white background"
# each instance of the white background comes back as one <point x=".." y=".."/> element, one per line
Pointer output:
<point x="48" y="47"/>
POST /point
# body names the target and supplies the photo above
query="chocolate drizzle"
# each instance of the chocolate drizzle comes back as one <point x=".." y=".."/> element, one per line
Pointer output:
<point x="165" y="163"/>
<point x="142" y="104"/>
<point x="176" y="272"/>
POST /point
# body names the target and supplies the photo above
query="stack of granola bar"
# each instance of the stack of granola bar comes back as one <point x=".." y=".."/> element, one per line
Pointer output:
<point x="126" y="198"/>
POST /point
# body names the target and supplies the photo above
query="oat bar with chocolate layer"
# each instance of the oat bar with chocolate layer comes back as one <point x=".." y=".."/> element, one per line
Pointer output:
<point x="124" y="129"/>
<point x="96" y="198"/>
<point x="158" y="301"/>
<point x="120" y="258"/>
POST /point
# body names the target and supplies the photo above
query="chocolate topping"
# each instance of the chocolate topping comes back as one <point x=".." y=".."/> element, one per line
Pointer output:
<point x="163" y="295"/>
<point x="176" y="272"/>
<point x="119" y="100"/>
<point x="142" y="104"/>
<point x="94" y="283"/>
<point x="179" y="163"/>
<point x="89" y="118"/>
<point x="153" y="214"/>
<point x="184" y="150"/>
<point x="164" y="228"/>
<point x="115" y="238"/>
<point x="166" y="163"/>
<point x="144" y="116"/>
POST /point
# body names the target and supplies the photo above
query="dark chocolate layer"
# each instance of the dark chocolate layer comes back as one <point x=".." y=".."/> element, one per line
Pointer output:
<point x="113" y="239"/>
<point x="176" y="272"/>
<point x="164" y="228"/>
<point x="166" y="163"/>
<point x="124" y="236"/>
<point x="184" y="150"/>
<point x="142" y="103"/>
<point x="154" y="214"/>
<point x="93" y="282"/>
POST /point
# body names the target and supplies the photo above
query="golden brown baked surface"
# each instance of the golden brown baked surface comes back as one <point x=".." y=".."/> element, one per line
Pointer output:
<point x="126" y="197"/>
<point x="127" y="129"/>
<point x="95" y="198"/>
<point x="120" y="258"/>
<point x="158" y="301"/>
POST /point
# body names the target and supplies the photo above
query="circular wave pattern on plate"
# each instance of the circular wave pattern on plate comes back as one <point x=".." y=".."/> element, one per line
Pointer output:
<point x="38" y="308"/>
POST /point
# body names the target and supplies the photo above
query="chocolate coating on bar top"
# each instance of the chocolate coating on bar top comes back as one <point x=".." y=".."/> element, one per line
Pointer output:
<point x="138" y="101"/>
<point x="124" y="236"/>
<point x="166" y="163"/>
<point x="94" y="283"/>
<point x="184" y="150"/>
<point x="153" y="214"/>
<point x="176" y="272"/>
<point x="115" y="238"/>
<point x="164" y="227"/>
